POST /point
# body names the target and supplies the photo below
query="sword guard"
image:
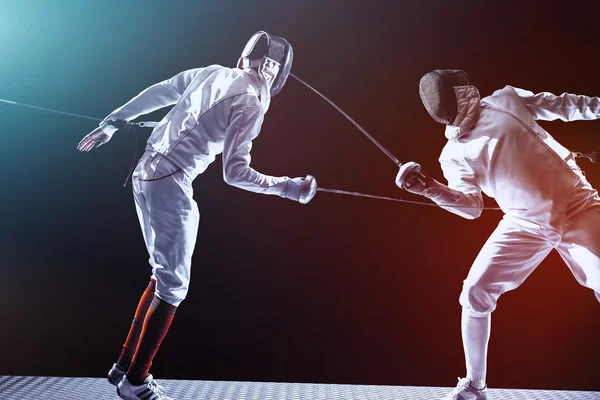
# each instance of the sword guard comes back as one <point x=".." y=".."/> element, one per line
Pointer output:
<point x="407" y="170"/>
<point x="309" y="189"/>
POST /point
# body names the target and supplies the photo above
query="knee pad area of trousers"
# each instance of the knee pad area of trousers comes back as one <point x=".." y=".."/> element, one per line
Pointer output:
<point x="477" y="300"/>
<point x="172" y="296"/>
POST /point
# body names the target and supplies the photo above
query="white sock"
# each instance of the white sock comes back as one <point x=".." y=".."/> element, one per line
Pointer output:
<point x="475" y="335"/>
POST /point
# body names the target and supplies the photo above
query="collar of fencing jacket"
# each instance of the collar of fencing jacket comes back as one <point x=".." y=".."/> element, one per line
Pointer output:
<point x="262" y="88"/>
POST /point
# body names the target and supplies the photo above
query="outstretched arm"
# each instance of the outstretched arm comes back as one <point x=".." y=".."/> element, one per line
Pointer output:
<point x="157" y="96"/>
<point x="566" y="107"/>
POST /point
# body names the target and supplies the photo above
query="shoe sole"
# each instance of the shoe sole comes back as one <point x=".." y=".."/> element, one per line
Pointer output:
<point x="119" y="393"/>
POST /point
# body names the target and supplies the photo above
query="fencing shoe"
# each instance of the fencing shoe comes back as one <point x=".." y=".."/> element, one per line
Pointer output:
<point x="115" y="375"/>
<point x="148" y="390"/>
<point x="464" y="391"/>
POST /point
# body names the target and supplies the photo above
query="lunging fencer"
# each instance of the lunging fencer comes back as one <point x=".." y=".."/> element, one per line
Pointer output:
<point x="216" y="110"/>
<point x="495" y="146"/>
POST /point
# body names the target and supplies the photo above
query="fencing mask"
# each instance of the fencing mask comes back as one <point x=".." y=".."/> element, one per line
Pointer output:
<point x="437" y="93"/>
<point x="272" y="56"/>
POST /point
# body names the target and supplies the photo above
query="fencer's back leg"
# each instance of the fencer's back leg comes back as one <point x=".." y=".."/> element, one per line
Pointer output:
<point x="580" y="247"/>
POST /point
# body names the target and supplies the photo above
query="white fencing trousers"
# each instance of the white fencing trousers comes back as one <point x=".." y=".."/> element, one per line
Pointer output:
<point x="169" y="219"/>
<point x="517" y="247"/>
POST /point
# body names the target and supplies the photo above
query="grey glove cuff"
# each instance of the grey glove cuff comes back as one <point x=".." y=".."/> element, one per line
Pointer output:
<point x="292" y="189"/>
<point x="466" y="205"/>
<point x="439" y="193"/>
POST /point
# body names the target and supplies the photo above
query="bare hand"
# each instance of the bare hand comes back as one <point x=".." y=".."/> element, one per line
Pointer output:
<point x="94" y="139"/>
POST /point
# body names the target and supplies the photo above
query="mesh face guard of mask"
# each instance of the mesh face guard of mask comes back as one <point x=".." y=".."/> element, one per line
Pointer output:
<point x="277" y="49"/>
<point x="437" y="93"/>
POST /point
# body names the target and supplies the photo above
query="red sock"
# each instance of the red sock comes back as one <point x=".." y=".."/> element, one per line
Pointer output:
<point x="131" y="343"/>
<point x="157" y="323"/>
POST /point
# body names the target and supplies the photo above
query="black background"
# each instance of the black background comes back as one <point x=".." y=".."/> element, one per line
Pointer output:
<point x="342" y="290"/>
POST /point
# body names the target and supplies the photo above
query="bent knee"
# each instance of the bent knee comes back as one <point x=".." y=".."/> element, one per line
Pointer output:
<point x="174" y="298"/>
<point x="171" y="294"/>
<point x="478" y="300"/>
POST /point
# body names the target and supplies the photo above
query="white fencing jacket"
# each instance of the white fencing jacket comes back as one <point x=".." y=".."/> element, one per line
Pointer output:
<point x="217" y="110"/>
<point x="510" y="157"/>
